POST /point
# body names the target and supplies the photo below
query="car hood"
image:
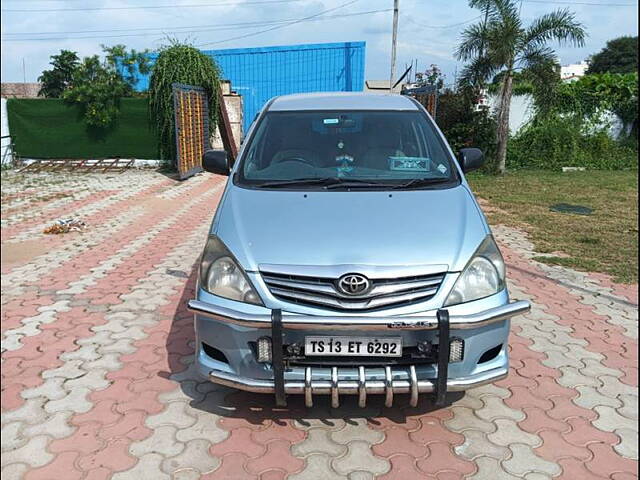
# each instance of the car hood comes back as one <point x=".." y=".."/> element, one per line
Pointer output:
<point x="420" y="227"/>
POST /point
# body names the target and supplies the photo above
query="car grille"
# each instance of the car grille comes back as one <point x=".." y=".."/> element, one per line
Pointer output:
<point x="321" y="291"/>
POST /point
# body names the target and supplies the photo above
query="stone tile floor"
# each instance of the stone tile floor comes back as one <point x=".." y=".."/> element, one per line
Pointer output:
<point x="97" y="378"/>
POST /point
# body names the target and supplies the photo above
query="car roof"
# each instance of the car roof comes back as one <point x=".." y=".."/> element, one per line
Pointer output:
<point x="342" y="101"/>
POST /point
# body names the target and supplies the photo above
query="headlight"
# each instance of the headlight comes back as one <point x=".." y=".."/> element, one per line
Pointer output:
<point x="484" y="275"/>
<point x="221" y="275"/>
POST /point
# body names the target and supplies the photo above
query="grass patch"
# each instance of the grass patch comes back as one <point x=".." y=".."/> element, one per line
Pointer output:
<point x="605" y="241"/>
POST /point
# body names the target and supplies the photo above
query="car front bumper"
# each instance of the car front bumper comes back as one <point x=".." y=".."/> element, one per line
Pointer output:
<point x="360" y="381"/>
<point x="230" y="331"/>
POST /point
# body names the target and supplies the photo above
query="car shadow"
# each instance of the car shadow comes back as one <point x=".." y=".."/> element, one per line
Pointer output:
<point x="256" y="408"/>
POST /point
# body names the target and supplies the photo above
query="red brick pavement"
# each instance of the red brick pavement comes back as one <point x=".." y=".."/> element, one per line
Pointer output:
<point x="33" y="359"/>
<point x="143" y="391"/>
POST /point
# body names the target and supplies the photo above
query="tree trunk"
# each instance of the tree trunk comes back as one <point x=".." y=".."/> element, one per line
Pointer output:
<point x="502" y="134"/>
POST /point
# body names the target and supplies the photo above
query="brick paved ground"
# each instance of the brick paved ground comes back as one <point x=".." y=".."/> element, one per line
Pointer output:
<point x="97" y="378"/>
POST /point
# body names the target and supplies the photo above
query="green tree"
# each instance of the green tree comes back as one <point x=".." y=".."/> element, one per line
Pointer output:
<point x="127" y="64"/>
<point x="465" y="123"/>
<point x="619" y="56"/>
<point x="58" y="79"/>
<point x="527" y="82"/>
<point x="99" y="84"/>
<point x="179" y="63"/>
<point x="502" y="43"/>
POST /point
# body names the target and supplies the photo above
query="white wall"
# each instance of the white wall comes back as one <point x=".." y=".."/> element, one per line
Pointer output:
<point x="520" y="113"/>
<point x="5" y="148"/>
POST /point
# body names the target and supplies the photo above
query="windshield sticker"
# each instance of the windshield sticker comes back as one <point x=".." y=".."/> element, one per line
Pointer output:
<point x="338" y="125"/>
<point x="442" y="168"/>
<point x="409" y="164"/>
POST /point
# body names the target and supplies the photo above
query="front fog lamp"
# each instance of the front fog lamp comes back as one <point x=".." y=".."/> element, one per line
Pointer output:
<point x="221" y="275"/>
<point x="456" y="350"/>
<point x="483" y="276"/>
<point x="263" y="350"/>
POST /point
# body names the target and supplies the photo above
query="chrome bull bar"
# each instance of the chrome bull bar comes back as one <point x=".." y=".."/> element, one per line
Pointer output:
<point x="368" y="381"/>
<point x="280" y="392"/>
<point x="389" y="386"/>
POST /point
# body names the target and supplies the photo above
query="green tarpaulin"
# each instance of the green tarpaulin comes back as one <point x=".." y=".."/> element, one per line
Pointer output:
<point x="52" y="128"/>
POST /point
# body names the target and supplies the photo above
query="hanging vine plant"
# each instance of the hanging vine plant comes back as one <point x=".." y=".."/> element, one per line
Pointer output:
<point x="179" y="63"/>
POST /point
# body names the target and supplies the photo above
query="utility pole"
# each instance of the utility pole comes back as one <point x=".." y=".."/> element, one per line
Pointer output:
<point x="394" y="41"/>
<point x="24" y="78"/>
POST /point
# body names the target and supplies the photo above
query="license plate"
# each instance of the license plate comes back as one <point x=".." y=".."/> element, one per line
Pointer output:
<point x="353" y="346"/>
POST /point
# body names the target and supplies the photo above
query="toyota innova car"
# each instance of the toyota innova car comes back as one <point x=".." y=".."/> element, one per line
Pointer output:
<point x="348" y="256"/>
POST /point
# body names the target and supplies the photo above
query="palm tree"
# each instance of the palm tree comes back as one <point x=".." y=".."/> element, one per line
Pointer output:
<point x="502" y="44"/>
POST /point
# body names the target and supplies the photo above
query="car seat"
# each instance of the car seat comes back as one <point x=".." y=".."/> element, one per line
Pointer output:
<point x="383" y="141"/>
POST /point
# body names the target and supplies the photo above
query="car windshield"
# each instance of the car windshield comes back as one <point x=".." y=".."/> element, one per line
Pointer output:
<point x="346" y="149"/>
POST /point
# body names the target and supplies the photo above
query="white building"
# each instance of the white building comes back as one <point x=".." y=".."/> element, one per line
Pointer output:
<point x="573" y="71"/>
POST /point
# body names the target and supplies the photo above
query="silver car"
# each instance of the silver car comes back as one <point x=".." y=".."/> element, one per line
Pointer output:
<point x="348" y="256"/>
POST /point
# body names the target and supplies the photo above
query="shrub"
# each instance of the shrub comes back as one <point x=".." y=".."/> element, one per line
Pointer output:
<point x="557" y="142"/>
<point x="179" y="63"/>
<point x="464" y="125"/>
<point x="570" y="125"/>
<point x="593" y="95"/>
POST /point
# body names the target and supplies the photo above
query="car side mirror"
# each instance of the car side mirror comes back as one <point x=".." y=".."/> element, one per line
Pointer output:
<point x="215" y="161"/>
<point x="471" y="159"/>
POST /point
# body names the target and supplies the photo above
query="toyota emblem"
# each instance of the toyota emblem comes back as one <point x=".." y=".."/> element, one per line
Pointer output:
<point x="353" y="284"/>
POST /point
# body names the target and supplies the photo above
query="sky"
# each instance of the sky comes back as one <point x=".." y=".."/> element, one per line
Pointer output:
<point x="428" y="30"/>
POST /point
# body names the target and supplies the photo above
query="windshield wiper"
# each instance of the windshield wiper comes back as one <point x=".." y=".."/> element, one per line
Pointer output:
<point x="419" y="182"/>
<point x="296" y="182"/>
<point x="327" y="182"/>
<point x="345" y="182"/>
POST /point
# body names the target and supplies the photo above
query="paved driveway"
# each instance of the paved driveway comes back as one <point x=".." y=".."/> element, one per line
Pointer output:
<point x="97" y="378"/>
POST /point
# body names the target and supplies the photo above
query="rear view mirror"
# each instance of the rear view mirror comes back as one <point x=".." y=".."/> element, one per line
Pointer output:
<point x="215" y="161"/>
<point x="470" y="159"/>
